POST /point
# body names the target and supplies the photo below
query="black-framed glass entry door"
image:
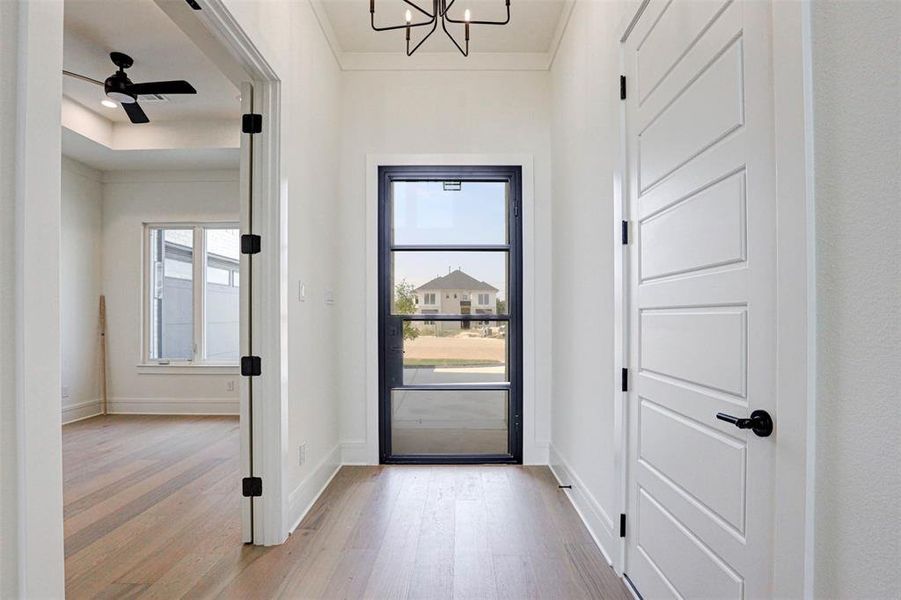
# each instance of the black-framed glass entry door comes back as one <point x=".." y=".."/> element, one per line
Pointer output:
<point x="450" y="315"/>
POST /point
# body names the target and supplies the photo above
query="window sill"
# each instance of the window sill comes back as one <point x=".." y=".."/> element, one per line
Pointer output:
<point x="187" y="369"/>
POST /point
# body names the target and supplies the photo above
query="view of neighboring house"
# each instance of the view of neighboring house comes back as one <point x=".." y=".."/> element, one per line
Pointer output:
<point x="456" y="293"/>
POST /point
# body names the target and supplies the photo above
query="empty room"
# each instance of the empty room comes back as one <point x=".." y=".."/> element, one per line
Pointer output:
<point x="469" y="299"/>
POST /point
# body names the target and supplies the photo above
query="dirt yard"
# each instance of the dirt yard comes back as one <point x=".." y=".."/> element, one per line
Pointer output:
<point x="455" y="348"/>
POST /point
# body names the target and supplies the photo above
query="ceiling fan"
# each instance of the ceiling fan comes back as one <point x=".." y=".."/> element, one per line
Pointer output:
<point x="119" y="88"/>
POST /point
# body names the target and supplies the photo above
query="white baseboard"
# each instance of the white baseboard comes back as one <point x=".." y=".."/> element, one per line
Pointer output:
<point x="302" y="498"/>
<point x="173" y="406"/>
<point x="80" y="411"/>
<point x="596" y="519"/>
<point x="358" y="453"/>
<point x="536" y="454"/>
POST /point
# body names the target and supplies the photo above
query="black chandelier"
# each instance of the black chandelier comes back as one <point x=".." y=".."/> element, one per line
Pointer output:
<point x="440" y="9"/>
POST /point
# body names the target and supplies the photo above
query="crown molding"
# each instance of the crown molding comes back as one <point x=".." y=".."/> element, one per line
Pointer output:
<point x="326" y="26"/>
<point x="565" y="14"/>
<point x="444" y="61"/>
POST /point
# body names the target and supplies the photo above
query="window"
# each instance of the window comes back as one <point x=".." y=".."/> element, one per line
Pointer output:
<point x="429" y="299"/>
<point x="483" y="299"/>
<point x="193" y="308"/>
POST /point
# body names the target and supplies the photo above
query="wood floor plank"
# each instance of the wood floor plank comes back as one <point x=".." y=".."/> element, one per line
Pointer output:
<point x="152" y="511"/>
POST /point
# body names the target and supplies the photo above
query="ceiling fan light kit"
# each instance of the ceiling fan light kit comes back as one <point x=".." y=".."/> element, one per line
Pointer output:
<point x="439" y="11"/>
<point x="121" y="91"/>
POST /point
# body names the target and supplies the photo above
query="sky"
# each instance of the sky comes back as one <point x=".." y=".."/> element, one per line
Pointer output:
<point x="426" y="214"/>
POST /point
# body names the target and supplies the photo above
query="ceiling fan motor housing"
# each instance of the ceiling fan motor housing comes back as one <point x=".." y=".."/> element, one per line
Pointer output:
<point x="116" y="88"/>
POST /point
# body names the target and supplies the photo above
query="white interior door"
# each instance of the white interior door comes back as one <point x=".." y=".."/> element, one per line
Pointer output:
<point x="250" y="507"/>
<point x="699" y="136"/>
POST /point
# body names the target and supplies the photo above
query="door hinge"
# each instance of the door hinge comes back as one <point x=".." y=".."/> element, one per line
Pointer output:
<point x="193" y="4"/>
<point x="250" y="243"/>
<point x="625" y="233"/>
<point x="625" y="382"/>
<point x="252" y="123"/>
<point x="622" y="87"/>
<point x="515" y="209"/>
<point x="251" y="366"/>
<point x="622" y="525"/>
<point x="252" y="487"/>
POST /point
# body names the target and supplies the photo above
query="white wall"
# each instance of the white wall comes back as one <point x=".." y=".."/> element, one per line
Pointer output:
<point x="857" y="141"/>
<point x="584" y="141"/>
<point x="80" y="289"/>
<point x="8" y="487"/>
<point x="131" y="199"/>
<point x="430" y="112"/>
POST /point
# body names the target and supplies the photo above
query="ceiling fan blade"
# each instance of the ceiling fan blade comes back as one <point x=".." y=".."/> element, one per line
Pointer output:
<point x="135" y="113"/>
<point x="83" y="78"/>
<point x="163" y="88"/>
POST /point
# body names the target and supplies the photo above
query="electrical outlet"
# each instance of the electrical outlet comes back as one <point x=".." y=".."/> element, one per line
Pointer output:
<point x="301" y="291"/>
<point x="230" y="385"/>
<point x="302" y="454"/>
<point x="65" y="391"/>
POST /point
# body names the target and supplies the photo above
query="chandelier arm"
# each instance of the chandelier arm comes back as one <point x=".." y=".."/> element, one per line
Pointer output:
<point x="450" y="35"/>
<point x="395" y="27"/>
<point x="422" y="10"/>
<point x="450" y="20"/>
<point x="416" y="47"/>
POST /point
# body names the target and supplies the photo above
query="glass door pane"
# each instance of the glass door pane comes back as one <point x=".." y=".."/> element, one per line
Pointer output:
<point x="433" y="282"/>
<point x="444" y="352"/>
<point x="449" y="422"/>
<point x="449" y="212"/>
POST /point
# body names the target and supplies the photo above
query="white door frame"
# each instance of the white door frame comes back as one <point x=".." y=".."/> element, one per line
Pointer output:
<point x="366" y="451"/>
<point x="39" y="536"/>
<point x="793" y="520"/>
<point x="270" y="298"/>
<point x="39" y="509"/>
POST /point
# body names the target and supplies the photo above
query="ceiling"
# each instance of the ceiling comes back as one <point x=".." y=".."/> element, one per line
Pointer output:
<point x="532" y="28"/>
<point x="102" y="158"/>
<point x="161" y="51"/>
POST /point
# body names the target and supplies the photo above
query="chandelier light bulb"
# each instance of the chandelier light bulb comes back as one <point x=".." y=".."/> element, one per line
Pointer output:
<point x="466" y="15"/>
<point x="408" y="16"/>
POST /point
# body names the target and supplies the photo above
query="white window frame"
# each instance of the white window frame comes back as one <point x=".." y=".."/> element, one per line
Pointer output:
<point x="199" y="271"/>
<point x="487" y="301"/>
<point x="425" y="299"/>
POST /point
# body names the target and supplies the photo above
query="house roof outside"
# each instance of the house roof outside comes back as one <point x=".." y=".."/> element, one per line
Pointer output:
<point x="457" y="280"/>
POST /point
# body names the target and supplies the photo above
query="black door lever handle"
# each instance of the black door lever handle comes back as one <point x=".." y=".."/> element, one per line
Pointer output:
<point x="760" y="422"/>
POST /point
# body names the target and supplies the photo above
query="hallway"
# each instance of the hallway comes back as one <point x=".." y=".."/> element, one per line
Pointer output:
<point x="152" y="511"/>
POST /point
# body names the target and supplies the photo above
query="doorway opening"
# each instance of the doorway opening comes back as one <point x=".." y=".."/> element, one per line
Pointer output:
<point x="166" y="287"/>
<point x="450" y="314"/>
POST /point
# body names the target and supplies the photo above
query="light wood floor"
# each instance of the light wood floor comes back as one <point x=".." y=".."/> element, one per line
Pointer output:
<point x="151" y="507"/>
